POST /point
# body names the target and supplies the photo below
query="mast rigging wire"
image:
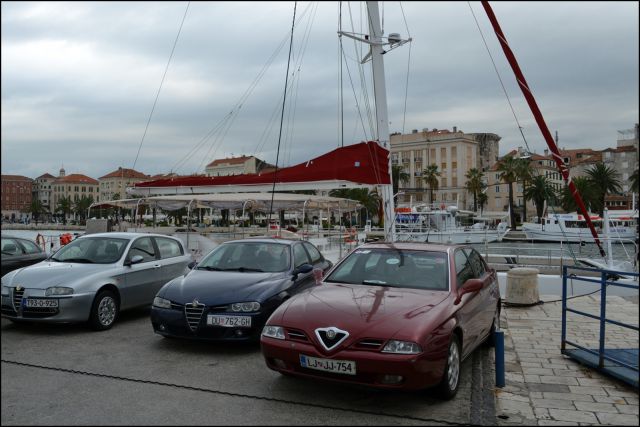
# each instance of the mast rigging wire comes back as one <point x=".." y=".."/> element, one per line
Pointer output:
<point x="275" y="173"/>
<point x="161" y="83"/>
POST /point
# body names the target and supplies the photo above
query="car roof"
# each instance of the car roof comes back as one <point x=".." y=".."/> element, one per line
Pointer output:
<point x="264" y="240"/>
<point x="126" y="235"/>
<point x="434" y="247"/>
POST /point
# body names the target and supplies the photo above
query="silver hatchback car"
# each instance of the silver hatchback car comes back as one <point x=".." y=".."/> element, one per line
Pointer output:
<point x="93" y="278"/>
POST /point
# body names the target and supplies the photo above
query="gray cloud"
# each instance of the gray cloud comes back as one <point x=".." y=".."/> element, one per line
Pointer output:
<point x="79" y="79"/>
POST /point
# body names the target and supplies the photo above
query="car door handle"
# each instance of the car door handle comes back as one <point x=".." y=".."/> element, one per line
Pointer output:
<point x="157" y="266"/>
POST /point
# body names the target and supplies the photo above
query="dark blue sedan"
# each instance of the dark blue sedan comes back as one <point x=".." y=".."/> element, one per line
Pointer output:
<point x="232" y="291"/>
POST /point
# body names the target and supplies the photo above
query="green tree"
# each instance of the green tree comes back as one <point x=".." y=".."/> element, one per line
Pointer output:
<point x="81" y="206"/>
<point x="64" y="206"/>
<point x="398" y="175"/>
<point x="605" y="180"/>
<point x="634" y="181"/>
<point x="587" y="193"/>
<point x="430" y="176"/>
<point x="37" y="209"/>
<point x="369" y="199"/>
<point x="540" y="190"/>
<point x="508" y="168"/>
<point x="474" y="185"/>
<point x="482" y="200"/>
<point x="525" y="175"/>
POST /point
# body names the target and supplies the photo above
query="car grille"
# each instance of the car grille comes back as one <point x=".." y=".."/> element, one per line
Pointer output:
<point x="193" y="313"/>
<point x="17" y="298"/>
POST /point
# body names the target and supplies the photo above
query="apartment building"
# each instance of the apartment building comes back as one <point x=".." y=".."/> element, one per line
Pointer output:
<point x="454" y="152"/>
<point x="74" y="186"/>
<point x="114" y="184"/>
<point x="235" y="166"/>
<point x="16" y="196"/>
<point x="42" y="189"/>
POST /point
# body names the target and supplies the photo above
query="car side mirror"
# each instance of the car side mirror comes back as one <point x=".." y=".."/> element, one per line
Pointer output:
<point x="192" y="265"/>
<point x="303" y="269"/>
<point x="136" y="259"/>
<point x="318" y="274"/>
<point x="471" y="285"/>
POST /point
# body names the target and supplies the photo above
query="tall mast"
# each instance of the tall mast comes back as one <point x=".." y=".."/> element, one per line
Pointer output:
<point x="382" y="115"/>
<point x="377" y="42"/>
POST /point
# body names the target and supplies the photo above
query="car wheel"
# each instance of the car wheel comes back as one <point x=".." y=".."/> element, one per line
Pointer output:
<point x="104" y="311"/>
<point x="451" y="378"/>
<point x="491" y="339"/>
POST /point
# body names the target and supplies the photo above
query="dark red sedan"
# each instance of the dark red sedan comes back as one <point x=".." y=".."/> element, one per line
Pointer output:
<point x="401" y="315"/>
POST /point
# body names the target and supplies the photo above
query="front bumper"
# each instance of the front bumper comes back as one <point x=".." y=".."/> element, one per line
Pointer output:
<point x="173" y="323"/>
<point x="71" y="308"/>
<point x="417" y="371"/>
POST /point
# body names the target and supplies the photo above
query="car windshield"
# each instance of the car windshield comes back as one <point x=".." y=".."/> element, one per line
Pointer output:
<point x="248" y="257"/>
<point x="92" y="250"/>
<point x="393" y="267"/>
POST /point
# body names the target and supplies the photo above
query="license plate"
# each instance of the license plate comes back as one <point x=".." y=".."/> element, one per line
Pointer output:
<point x="347" y="367"/>
<point x="229" y="321"/>
<point x="40" y="303"/>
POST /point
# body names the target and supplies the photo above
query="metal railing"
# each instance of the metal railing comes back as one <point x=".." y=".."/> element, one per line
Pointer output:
<point x="603" y="320"/>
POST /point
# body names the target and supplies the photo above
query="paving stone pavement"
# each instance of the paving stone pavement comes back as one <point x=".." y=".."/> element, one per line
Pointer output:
<point x="544" y="387"/>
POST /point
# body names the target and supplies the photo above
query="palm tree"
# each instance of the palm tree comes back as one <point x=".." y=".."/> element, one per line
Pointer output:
<point x="541" y="190"/>
<point x="586" y="190"/>
<point x="398" y="176"/>
<point x="482" y="200"/>
<point x="430" y="176"/>
<point x="508" y="168"/>
<point x="604" y="180"/>
<point x="474" y="185"/>
<point x="369" y="199"/>
<point x="81" y="206"/>
<point x="525" y="175"/>
<point x="634" y="181"/>
<point x="64" y="206"/>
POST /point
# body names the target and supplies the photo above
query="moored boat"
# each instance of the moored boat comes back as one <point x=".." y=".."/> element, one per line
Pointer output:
<point x="573" y="228"/>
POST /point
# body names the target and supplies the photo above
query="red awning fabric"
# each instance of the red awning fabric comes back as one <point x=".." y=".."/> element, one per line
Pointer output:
<point x="365" y="163"/>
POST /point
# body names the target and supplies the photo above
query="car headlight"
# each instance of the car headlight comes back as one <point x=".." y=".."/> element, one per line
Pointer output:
<point x="273" y="332"/>
<point x="58" y="290"/>
<point x="5" y="290"/>
<point x="401" y="347"/>
<point x="161" y="302"/>
<point x="245" y="306"/>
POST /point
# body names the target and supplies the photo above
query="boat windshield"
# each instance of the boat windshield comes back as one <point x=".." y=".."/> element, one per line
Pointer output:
<point x="394" y="267"/>
<point x="248" y="257"/>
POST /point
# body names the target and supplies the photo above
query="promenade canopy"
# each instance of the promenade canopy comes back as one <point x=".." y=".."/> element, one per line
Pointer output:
<point x="253" y="201"/>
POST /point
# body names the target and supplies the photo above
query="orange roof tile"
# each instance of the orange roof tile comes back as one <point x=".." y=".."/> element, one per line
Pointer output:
<point x="76" y="177"/>
<point x="125" y="173"/>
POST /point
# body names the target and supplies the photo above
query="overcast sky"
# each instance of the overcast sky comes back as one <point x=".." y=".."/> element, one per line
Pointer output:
<point x="79" y="79"/>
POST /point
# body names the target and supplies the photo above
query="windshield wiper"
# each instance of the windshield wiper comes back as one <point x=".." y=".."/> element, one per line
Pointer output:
<point x="376" y="282"/>
<point x="209" y="268"/>
<point x="242" y="269"/>
<point x="80" y="260"/>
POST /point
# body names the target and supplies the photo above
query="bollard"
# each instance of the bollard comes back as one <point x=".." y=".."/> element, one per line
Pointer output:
<point x="499" y="348"/>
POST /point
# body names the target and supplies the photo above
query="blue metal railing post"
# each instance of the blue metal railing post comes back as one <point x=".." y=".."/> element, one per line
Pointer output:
<point x="603" y="317"/>
<point x="564" y="310"/>
<point x="499" y="349"/>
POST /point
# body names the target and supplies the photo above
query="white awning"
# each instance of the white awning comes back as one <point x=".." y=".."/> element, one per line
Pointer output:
<point x="248" y="201"/>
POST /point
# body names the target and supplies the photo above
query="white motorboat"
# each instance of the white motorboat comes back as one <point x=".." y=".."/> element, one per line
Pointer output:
<point x="442" y="225"/>
<point x="573" y="228"/>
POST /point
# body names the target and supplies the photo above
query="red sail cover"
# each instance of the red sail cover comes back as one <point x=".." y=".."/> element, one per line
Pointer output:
<point x="364" y="163"/>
